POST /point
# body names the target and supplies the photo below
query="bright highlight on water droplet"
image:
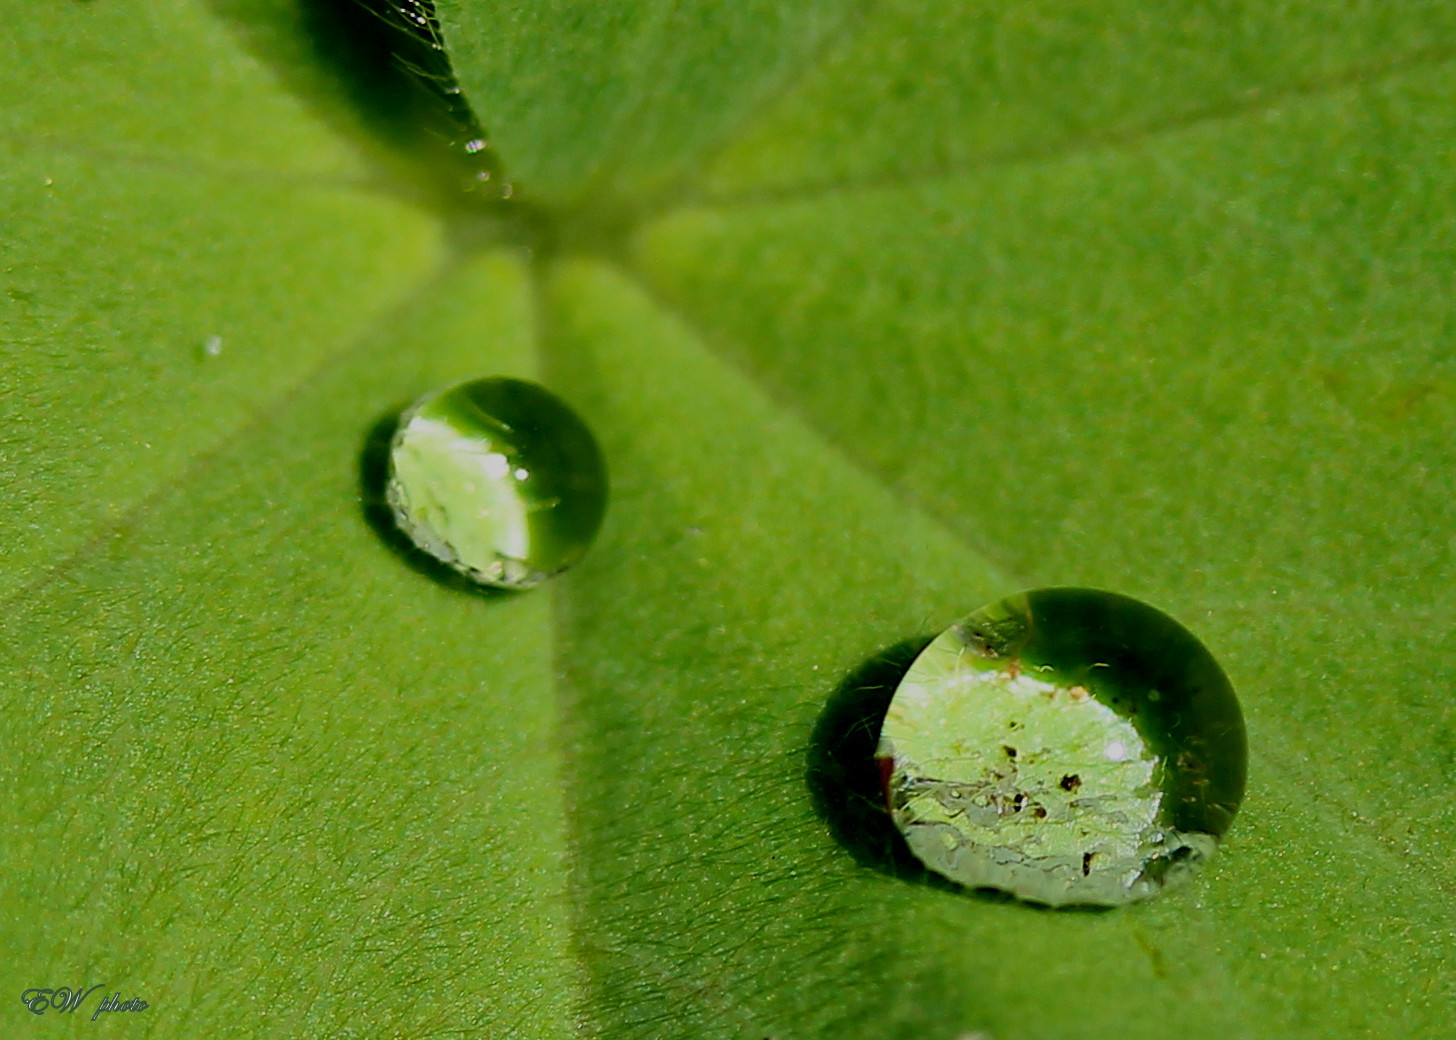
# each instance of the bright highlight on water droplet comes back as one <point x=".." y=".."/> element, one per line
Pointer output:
<point x="1068" y="746"/>
<point x="498" y="479"/>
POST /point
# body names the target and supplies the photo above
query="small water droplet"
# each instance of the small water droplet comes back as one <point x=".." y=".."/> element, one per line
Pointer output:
<point x="498" y="479"/>
<point x="212" y="346"/>
<point x="1129" y="750"/>
<point x="477" y="145"/>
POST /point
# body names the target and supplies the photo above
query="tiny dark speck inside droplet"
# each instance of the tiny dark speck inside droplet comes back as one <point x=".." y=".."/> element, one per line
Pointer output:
<point x="1010" y="751"/>
<point x="1086" y="863"/>
<point x="1070" y="782"/>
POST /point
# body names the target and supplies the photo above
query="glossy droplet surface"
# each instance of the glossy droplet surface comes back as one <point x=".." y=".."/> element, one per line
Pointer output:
<point x="1068" y="746"/>
<point x="499" y="479"/>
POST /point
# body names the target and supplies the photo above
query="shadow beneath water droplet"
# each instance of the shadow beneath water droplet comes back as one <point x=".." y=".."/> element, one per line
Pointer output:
<point x="844" y="780"/>
<point x="373" y="476"/>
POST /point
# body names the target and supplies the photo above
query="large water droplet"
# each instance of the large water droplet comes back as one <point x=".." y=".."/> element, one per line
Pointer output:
<point x="499" y="479"/>
<point x="1068" y="746"/>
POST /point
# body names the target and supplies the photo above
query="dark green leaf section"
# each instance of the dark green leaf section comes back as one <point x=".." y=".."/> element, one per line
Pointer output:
<point x="378" y="72"/>
<point x="595" y="104"/>
<point x="926" y="91"/>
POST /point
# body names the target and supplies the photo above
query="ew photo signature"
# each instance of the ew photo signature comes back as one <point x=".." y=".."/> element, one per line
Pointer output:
<point x="65" y="1000"/>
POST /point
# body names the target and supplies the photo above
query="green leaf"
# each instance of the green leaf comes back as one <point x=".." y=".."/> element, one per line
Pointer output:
<point x="881" y="312"/>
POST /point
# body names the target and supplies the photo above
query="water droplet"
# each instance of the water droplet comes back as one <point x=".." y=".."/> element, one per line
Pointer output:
<point x="212" y="346"/>
<point x="1129" y="750"/>
<point x="499" y="479"/>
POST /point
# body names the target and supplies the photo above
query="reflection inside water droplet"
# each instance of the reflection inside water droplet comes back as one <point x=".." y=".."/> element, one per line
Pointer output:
<point x="1068" y="746"/>
<point x="498" y="479"/>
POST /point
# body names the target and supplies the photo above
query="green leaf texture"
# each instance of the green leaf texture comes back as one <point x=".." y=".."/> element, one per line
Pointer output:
<point x="881" y="311"/>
